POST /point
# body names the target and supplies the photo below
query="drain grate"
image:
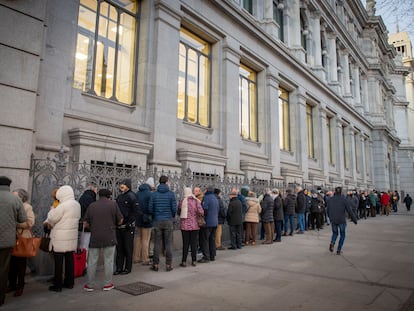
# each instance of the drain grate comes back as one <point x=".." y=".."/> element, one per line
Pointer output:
<point x="138" y="288"/>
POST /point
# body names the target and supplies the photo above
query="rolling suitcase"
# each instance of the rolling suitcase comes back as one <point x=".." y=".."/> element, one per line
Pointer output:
<point x="79" y="262"/>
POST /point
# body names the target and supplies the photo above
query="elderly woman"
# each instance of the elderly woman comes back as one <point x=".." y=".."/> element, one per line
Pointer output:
<point x="251" y="218"/>
<point x="18" y="264"/>
<point x="188" y="209"/>
<point x="63" y="221"/>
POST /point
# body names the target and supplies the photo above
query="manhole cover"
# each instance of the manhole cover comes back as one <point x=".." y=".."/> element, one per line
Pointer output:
<point x="138" y="288"/>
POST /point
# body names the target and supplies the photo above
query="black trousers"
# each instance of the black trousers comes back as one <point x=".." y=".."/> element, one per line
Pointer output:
<point x="17" y="272"/>
<point x="5" y="254"/>
<point x="69" y="279"/>
<point x="235" y="236"/>
<point x="189" y="238"/>
<point x="208" y="239"/>
<point x="124" y="248"/>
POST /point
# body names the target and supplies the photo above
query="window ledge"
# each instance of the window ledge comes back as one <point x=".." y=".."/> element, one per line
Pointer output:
<point x="209" y="129"/>
<point x="100" y="98"/>
<point x="248" y="141"/>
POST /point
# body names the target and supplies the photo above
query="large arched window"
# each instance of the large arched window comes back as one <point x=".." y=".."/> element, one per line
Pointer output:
<point x="105" y="59"/>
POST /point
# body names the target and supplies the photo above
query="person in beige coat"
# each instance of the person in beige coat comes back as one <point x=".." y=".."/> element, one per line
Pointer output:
<point x="63" y="222"/>
<point x="251" y="219"/>
<point x="18" y="265"/>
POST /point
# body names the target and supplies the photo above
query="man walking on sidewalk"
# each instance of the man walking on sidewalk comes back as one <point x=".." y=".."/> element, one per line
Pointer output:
<point x="337" y="206"/>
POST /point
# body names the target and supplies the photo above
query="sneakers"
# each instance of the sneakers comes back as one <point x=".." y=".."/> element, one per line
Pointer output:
<point x="331" y="247"/>
<point x="87" y="288"/>
<point x="108" y="287"/>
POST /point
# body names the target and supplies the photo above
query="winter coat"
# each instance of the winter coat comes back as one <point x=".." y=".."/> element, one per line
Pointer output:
<point x="193" y="208"/>
<point x="162" y="204"/>
<point x="24" y="228"/>
<point x="267" y="208"/>
<point x="278" y="208"/>
<point x="317" y="204"/>
<point x="234" y="212"/>
<point x="88" y="197"/>
<point x="300" y="202"/>
<point x="64" y="220"/>
<point x="128" y="204"/>
<point x="11" y="213"/>
<point x="289" y="204"/>
<point x="337" y="206"/>
<point x="143" y="197"/>
<point x="253" y="210"/>
<point x="408" y="200"/>
<point x="222" y="211"/>
<point x="211" y="209"/>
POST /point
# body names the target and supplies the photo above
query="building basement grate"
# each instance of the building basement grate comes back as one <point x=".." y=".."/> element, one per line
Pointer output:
<point x="137" y="288"/>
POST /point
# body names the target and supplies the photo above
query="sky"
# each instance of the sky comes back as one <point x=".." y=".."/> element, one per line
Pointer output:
<point x="396" y="14"/>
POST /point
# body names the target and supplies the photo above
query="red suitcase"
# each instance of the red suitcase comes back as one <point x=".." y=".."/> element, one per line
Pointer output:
<point x="79" y="262"/>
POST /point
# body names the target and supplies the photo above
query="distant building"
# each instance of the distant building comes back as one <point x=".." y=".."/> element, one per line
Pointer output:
<point x="296" y="91"/>
<point x="402" y="43"/>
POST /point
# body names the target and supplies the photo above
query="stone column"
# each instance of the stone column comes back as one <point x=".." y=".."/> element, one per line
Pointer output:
<point x="346" y="85"/>
<point x="363" y="143"/>
<point x="293" y="38"/>
<point x="268" y="22"/>
<point x="323" y="142"/>
<point x="340" y="149"/>
<point x="273" y="134"/>
<point x="357" y="86"/>
<point x="364" y="99"/>
<point x="167" y="33"/>
<point x="232" y="138"/>
<point x="332" y="61"/>
<point x="374" y="98"/>
<point x="353" y="153"/>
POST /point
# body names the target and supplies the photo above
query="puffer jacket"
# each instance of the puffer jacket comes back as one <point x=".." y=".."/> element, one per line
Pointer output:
<point x="11" y="212"/>
<point x="211" y="208"/>
<point x="64" y="220"/>
<point x="267" y="208"/>
<point x="162" y="204"/>
<point x="24" y="228"/>
<point x="253" y="210"/>
<point x="289" y="204"/>
<point x="143" y="197"/>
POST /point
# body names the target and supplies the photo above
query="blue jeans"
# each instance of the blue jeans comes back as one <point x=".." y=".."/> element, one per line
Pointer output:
<point x="341" y="228"/>
<point x="93" y="256"/>
<point x="291" y="220"/>
<point x="301" y="221"/>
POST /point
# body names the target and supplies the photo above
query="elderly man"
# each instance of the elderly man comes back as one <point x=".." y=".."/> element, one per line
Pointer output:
<point x="11" y="213"/>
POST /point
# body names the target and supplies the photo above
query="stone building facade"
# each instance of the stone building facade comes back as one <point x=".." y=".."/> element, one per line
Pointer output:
<point x="298" y="91"/>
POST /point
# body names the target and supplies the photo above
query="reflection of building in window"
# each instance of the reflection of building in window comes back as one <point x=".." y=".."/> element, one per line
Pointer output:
<point x="284" y="130"/>
<point x="247" y="103"/>
<point x="194" y="79"/>
<point x="247" y="5"/>
<point x="106" y="49"/>
<point x="309" y="128"/>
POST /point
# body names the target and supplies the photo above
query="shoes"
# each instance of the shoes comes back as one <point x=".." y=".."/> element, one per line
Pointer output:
<point x="291" y="234"/>
<point x="267" y="242"/>
<point x="18" y="292"/>
<point x="246" y="243"/>
<point x="253" y="243"/>
<point x="126" y="271"/>
<point x="203" y="260"/>
<point x="284" y="234"/>
<point x="331" y="247"/>
<point x="117" y="272"/>
<point x="68" y="286"/>
<point x="193" y="264"/>
<point x="88" y="288"/>
<point x="183" y="264"/>
<point x="54" y="288"/>
<point x="338" y="252"/>
<point x="277" y="240"/>
<point x="169" y="268"/>
<point x="154" y="267"/>
<point x="220" y="248"/>
<point x="146" y="263"/>
<point x="232" y="247"/>
<point x="212" y="259"/>
<point x="108" y="287"/>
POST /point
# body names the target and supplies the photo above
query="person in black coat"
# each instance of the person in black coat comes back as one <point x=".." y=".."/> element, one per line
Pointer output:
<point x="86" y="199"/>
<point x="277" y="214"/>
<point x="128" y="204"/>
<point x="235" y="220"/>
<point x="338" y="206"/>
<point x="221" y="219"/>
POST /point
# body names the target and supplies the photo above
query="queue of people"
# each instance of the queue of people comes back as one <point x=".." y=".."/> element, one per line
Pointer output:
<point x="138" y="227"/>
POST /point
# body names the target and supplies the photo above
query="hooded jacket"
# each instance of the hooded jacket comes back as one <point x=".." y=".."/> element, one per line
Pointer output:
<point x="253" y="210"/>
<point x="143" y="196"/>
<point x="64" y="220"/>
<point x="211" y="209"/>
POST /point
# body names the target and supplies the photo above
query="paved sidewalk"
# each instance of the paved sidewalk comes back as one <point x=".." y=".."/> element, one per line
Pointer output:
<point x="375" y="272"/>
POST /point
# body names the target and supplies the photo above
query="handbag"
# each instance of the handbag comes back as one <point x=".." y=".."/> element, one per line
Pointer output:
<point x="44" y="242"/>
<point x="200" y="220"/>
<point x="26" y="247"/>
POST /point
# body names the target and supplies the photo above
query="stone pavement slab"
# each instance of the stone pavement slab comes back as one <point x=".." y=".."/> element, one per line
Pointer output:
<point x="375" y="272"/>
